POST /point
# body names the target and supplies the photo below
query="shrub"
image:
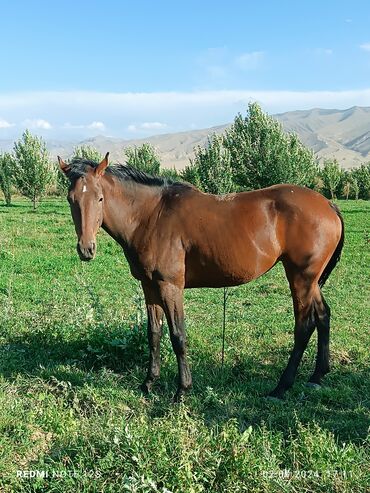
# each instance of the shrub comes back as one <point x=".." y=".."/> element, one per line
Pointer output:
<point x="262" y="154"/>
<point x="32" y="170"/>
<point x="212" y="167"/>
<point x="331" y="175"/>
<point x="143" y="158"/>
<point x="6" y="176"/>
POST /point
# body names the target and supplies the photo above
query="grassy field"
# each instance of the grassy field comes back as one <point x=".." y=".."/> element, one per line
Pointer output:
<point x="73" y="353"/>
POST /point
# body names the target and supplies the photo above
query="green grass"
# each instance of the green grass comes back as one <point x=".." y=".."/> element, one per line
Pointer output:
<point x="73" y="353"/>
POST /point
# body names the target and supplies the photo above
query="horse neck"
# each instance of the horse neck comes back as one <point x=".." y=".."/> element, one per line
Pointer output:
<point x="126" y="206"/>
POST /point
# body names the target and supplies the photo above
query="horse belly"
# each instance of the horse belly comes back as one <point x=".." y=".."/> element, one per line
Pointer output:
<point x="231" y="269"/>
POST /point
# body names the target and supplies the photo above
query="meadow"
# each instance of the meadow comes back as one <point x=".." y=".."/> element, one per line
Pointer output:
<point x="73" y="353"/>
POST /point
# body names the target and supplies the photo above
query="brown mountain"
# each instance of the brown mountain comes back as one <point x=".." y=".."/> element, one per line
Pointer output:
<point x="340" y="134"/>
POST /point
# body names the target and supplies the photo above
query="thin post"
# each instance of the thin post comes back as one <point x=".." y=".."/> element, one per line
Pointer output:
<point x="223" y="327"/>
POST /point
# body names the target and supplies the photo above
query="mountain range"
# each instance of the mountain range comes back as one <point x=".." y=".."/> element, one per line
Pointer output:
<point x="340" y="134"/>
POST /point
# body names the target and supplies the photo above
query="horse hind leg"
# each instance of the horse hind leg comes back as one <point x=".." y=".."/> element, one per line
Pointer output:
<point x="322" y="318"/>
<point x="304" y="291"/>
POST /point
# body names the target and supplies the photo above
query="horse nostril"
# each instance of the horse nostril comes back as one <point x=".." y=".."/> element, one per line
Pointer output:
<point x="92" y="249"/>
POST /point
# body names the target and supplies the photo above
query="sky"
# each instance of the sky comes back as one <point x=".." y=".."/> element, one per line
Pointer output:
<point x="71" y="70"/>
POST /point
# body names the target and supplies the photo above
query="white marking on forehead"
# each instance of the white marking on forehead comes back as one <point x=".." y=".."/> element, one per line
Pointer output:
<point x="84" y="189"/>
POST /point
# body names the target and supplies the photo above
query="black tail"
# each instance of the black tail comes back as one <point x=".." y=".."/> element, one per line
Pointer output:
<point x="336" y="255"/>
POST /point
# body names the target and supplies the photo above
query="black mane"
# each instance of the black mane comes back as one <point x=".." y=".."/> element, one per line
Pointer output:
<point x="79" y="168"/>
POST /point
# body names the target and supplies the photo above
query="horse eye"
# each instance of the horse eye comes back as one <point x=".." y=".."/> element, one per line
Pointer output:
<point x="101" y="199"/>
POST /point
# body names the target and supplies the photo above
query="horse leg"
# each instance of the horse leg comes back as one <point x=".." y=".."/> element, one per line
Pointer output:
<point x="154" y="328"/>
<point x="303" y="293"/>
<point x="172" y="302"/>
<point x="322" y="317"/>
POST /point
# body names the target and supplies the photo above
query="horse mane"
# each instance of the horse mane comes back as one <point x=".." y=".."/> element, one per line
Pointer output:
<point x="124" y="173"/>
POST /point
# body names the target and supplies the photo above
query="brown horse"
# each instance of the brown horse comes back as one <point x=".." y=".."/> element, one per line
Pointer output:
<point x="175" y="236"/>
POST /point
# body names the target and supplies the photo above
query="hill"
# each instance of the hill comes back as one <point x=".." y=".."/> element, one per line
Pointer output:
<point x="340" y="134"/>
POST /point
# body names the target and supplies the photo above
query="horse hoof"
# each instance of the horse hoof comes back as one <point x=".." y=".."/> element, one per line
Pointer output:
<point x="180" y="395"/>
<point x="145" y="388"/>
<point x="313" y="385"/>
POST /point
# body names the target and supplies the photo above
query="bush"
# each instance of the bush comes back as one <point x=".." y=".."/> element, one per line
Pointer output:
<point x="87" y="152"/>
<point x="170" y="173"/>
<point x="362" y="177"/>
<point x="212" y="167"/>
<point x="331" y="175"/>
<point x="32" y="170"/>
<point x="143" y="158"/>
<point x="6" y="176"/>
<point x="262" y="154"/>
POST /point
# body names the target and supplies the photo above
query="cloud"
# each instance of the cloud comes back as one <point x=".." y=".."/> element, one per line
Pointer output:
<point x="249" y="61"/>
<point x="324" y="51"/>
<point x="222" y="64"/>
<point x="365" y="46"/>
<point x="97" y="126"/>
<point x="37" y="124"/>
<point x="125" y="113"/>
<point x="146" y="126"/>
<point x="6" y="124"/>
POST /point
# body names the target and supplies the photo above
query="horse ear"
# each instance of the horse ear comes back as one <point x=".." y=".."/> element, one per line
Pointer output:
<point x="63" y="166"/>
<point x="100" y="169"/>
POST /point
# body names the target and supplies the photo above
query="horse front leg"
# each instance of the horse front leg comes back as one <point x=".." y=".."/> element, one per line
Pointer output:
<point x="154" y="329"/>
<point x="173" y="305"/>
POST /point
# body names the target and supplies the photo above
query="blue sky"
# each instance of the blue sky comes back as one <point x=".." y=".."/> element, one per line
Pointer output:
<point x="72" y="69"/>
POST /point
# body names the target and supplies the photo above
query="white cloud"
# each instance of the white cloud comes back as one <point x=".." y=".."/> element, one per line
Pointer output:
<point x="153" y="125"/>
<point x="146" y="126"/>
<point x="324" y="51"/>
<point x="365" y="46"/>
<point x="249" y="61"/>
<point x="97" y="126"/>
<point x="125" y="113"/>
<point x="37" y="123"/>
<point x="6" y="124"/>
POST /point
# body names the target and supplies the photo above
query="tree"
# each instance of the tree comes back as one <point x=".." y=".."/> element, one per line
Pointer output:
<point x="87" y="152"/>
<point x="331" y="175"/>
<point x="362" y="176"/>
<point x="6" y="176"/>
<point x="143" y="158"/>
<point x="191" y="175"/>
<point x="212" y="167"/>
<point x="32" y="169"/>
<point x="262" y="154"/>
<point x="170" y="173"/>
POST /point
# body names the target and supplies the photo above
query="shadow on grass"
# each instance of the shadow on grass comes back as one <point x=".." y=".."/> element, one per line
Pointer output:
<point x="235" y="390"/>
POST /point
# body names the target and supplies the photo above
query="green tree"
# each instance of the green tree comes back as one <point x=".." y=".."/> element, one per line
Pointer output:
<point x="32" y="170"/>
<point x="362" y="176"/>
<point x="212" y="167"/>
<point x="6" y="176"/>
<point x="143" y="158"/>
<point x="170" y="173"/>
<point x="87" y="152"/>
<point x="190" y="174"/>
<point x="262" y="154"/>
<point x="331" y="174"/>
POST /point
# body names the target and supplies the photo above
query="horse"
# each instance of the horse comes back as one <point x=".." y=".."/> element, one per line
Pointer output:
<point x="176" y="237"/>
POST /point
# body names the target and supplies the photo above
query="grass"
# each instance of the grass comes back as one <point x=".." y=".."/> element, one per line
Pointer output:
<point x="73" y="353"/>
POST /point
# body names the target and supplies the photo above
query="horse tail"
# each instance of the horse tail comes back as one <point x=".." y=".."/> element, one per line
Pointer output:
<point x="337" y="252"/>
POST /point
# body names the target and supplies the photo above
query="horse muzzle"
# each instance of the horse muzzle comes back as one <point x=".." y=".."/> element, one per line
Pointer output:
<point x="86" y="252"/>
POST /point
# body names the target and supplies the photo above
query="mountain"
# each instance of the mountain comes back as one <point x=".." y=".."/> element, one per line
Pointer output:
<point x="340" y="134"/>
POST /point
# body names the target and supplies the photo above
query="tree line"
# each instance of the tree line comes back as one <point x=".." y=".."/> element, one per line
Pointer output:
<point x="254" y="152"/>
